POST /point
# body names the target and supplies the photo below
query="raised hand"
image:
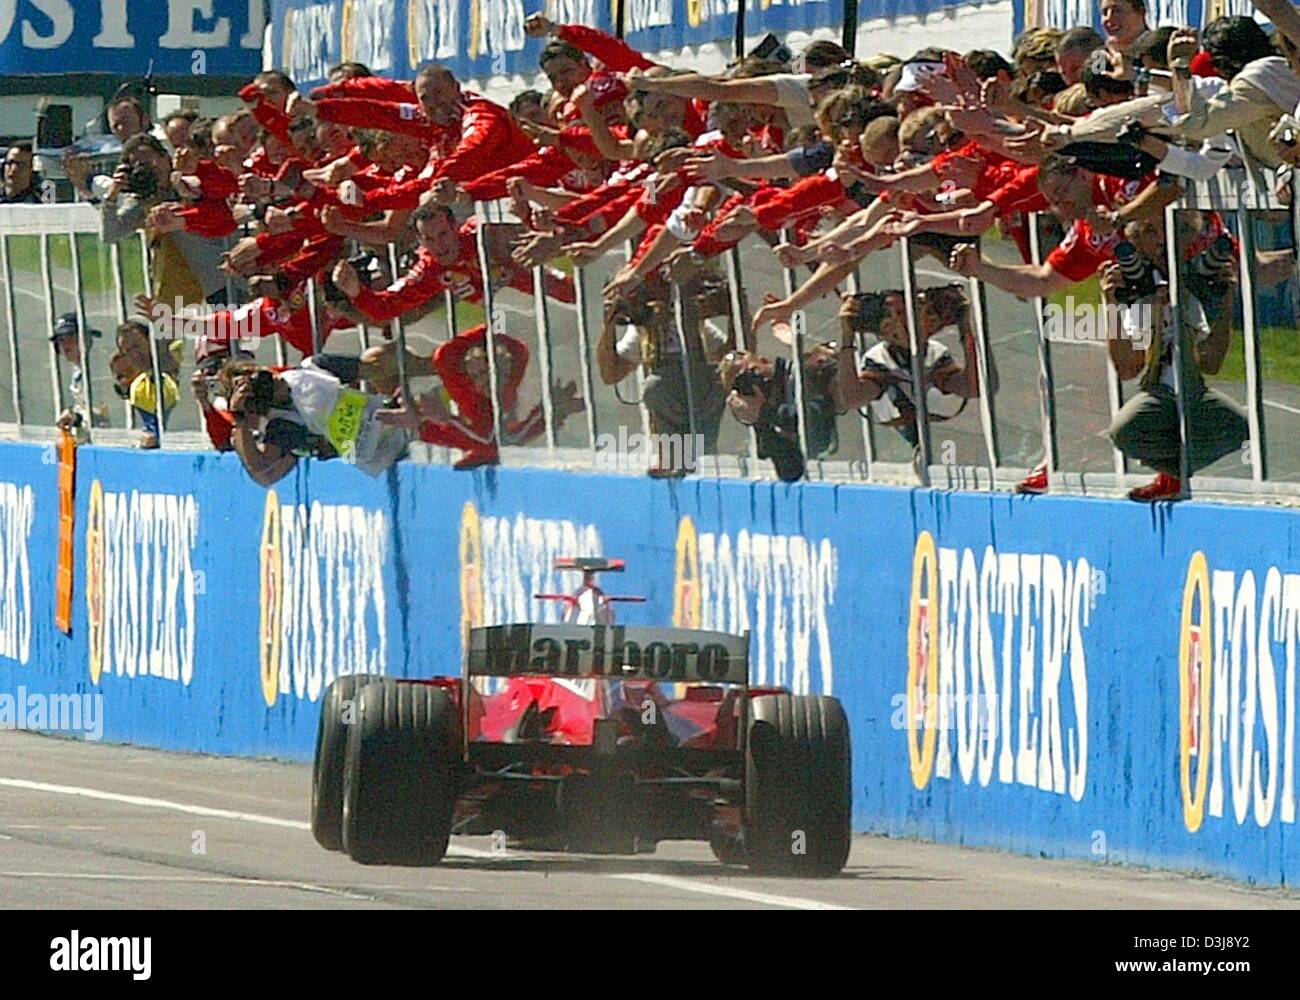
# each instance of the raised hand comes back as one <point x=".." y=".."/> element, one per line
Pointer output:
<point x="538" y="26"/>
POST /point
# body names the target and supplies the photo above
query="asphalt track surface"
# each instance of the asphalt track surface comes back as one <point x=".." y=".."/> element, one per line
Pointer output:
<point x="87" y="825"/>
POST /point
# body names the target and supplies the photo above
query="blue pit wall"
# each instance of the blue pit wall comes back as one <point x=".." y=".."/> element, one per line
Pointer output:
<point x="1054" y="676"/>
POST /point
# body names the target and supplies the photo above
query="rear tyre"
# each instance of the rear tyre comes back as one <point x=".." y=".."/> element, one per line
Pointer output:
<point x="399" y="776"/>
<point x="338" y="711"/>
<point x="798" y="786"/>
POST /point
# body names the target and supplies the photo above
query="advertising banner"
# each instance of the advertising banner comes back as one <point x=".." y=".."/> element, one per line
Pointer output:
<point x="482" y="38"/>
<point x="1073" y="677"/>
<point x="179" y="37"/>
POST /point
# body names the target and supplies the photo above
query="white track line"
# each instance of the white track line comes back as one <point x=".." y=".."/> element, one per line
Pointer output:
<point x="746" y="895"/>
<point x="259" y="883"/>
<point x="148" y="803"/>
<point x="665" y="881"/>
<point x="1281" y="406"/>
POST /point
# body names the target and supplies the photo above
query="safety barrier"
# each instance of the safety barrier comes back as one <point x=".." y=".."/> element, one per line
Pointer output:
<point x="1026" y="365"/>
<point x="1066" y="677"/>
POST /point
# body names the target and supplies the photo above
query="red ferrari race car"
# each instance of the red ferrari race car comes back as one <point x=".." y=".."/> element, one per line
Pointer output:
<point x="586" y="736"/>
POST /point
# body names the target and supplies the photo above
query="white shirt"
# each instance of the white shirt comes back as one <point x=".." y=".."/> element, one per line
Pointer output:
<point x="793" y="98"/>
<point x="315" y="393"/>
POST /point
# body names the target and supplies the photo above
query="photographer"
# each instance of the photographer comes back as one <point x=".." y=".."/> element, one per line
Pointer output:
<point x="312" y="410"/>
<point x="652" y="340"/>
<point x="885" y="378"/>
<point x="761" y="394"/>
<point x="1137" y="294"/>
<point x="186" y="267"/>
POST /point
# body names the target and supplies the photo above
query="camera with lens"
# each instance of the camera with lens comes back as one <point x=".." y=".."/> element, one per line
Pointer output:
<point x="1139" y="275"/>
<point x="1209" y="275"/>
<point x="1213" y="263"/>
<point x="868" y="312"/>
<point x="751" y="382"/>
<point x="642" y="305"/>
<point x="261" y="390"/>
<point x="142" y="181"/>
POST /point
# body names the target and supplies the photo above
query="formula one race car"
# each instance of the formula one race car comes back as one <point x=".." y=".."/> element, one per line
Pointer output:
<point x="586" y="736"/>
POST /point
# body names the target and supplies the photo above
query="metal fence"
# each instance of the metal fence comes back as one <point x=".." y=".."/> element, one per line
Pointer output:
<point x="1044" y="395"/>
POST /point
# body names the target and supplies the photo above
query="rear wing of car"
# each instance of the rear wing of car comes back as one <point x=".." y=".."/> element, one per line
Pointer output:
<point x="609" y="652"/>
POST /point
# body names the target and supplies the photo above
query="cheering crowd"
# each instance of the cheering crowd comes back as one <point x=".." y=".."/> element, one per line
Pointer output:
<point x="828" y="158"/>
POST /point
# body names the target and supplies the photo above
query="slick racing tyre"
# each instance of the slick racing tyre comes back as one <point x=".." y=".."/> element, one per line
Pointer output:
<point x="338" y="711"/>
<point x="399" y="774"/>
<point x="798" y="786"/>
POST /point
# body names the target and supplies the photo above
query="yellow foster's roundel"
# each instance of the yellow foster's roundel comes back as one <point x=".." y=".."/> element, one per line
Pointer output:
<point x="1195" y="648"/>
<point x="271" y="599"/>
<point x="923" y="661"/>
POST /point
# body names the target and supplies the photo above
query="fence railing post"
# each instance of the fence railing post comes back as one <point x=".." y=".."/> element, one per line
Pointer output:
<point x="155" y="356"/>
<point x="983" y="356"/>
<point x="740" y="319"/>
<point x="689" y="363"/>
<point x="313" y="315"/>
<point x="789" y="283"/>
<point x="918" y="351"/>
<point x="15" y="366"/>
<point x="859" y="354"/>
<point x="83" y="338"/>
<point x="542" y="320"/>
<point x="1046" y="381"/>
<point x="490" y="319"/>
<point x="1251" y="342"/>
<point x="399" y="334"/>
<point x="120" y="304"/>
<point x="584" y="356"/>
<point x="47" y="289"/>
<point x="1176" y="324"/>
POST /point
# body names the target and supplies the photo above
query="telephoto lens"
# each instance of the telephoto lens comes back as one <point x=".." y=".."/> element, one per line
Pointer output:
<point x="1215" y="259"/>
<point x="1139" y="276"/>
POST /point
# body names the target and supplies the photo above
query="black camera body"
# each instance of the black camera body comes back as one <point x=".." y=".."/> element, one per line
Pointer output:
<point x="868" y="312"/>
<point x="751" y="382"/>
<point x="261" y="392"/>
<point x="1139" y="275"/>
<point x="142" y="182"/>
